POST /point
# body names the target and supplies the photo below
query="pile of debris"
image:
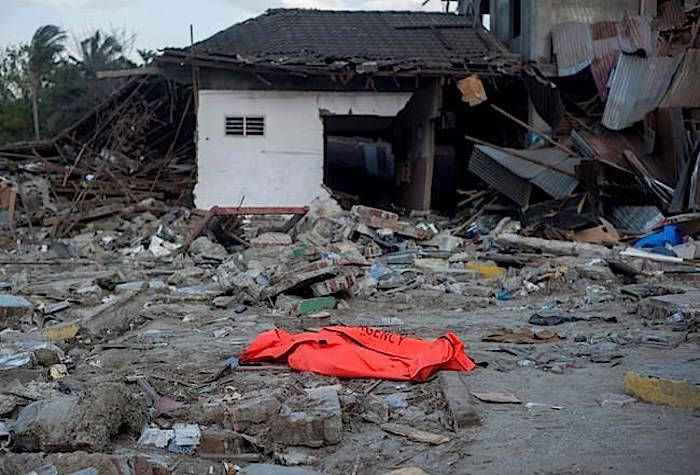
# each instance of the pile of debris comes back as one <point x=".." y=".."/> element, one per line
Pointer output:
<point x="134" y="351"/>
<point x="137" y="145"/>
<point x="620" y="160"/>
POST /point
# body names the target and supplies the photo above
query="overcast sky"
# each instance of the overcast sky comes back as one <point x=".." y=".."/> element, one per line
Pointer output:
<point x="159" y="23"/>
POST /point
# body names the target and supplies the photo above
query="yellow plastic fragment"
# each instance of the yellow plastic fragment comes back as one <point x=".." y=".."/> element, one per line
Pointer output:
<point x="487" y="270"/>
<point x="61" y="332"/>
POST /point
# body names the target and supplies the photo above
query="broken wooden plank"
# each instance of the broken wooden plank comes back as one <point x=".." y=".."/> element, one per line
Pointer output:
<point x="414" y="434"/>
<point x="498" y="398"/>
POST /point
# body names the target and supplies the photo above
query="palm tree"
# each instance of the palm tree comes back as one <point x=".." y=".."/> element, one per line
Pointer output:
<point x="46" y="45"/>
<point x="98" y="53"/>
<point x="147" y="56"/>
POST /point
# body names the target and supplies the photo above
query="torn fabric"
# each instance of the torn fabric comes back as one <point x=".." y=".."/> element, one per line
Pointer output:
<point x="360" y="352"/>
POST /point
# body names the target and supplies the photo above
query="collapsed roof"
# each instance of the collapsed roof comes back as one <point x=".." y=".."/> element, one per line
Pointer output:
<point x="358" y="41"/>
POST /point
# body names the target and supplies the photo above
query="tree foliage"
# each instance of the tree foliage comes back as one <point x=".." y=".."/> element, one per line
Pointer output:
<point x="62" y="86"/>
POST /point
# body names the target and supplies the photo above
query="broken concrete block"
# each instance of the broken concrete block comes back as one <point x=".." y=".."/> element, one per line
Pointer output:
<point x="256" y="410"/>
<point x="660" y="307"/>
<point x="333" y="286"/>
<point x="224" y="301"/>
<point x="188" y="276"/>
<point x="69" y="424"/>
<point x="686" y="251"/>
<point x="269" y="469"/>
<point x="156" y="437"/>
<point x="431" y="264"/>
<point x="375" y="409"/>
<point x="204" y="248"/>
<point x="222" y="441"/>
<point x="460" y="404"/>
<point x="595" y="271"/>
<point x="185" y="438"/>
<point x="14" y="306"/>
<point x="302" y="276"/>
<point x="379" y="219"/>
<point x="271" y="239"/>
<point x="314" y="419"/>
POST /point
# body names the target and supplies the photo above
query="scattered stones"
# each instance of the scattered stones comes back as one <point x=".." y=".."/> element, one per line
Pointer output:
<point x="204" y="248"/>
<point x="252" y="411"/>
<point x="375" y="409"/>
<point x="78" y="423"/>
<point x="460" y="405"/>
<point x="313" y="419"/>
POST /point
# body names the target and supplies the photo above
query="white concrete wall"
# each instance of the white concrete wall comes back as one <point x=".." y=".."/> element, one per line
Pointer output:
<point x="285" y="167"/>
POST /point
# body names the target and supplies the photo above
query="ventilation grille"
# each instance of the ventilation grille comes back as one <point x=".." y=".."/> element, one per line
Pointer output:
<point x="245" y="126"/>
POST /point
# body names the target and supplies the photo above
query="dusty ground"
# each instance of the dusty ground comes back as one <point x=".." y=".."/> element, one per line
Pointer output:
<point x="168" y="337"/>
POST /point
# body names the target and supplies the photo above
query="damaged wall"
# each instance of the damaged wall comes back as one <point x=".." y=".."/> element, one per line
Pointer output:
<point x="283" y="167"/>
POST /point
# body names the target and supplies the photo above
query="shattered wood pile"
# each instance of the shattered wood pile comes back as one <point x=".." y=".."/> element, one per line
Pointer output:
<point x="136" y="145"/>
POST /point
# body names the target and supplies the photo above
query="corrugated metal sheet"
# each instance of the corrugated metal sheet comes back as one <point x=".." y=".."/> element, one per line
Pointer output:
<point x="546" y="97"/>
<point x="499" y="177"/>
<point x="636" y="88"/>
<point x="671" y="15"/>
<point x="608" y="148"/>
<point x="600" y="69"/>
<point x="589" y="11"/>
<point x="685" y="88"/>
<point x="635" y="34"/>
<point x="556" y="184"/>
<point x="578" y="45"/>
<point x="572" y="45"/>
<point x="635" y="218"/>
<point x="606" y="50"/>
<point x="604" y="29"/>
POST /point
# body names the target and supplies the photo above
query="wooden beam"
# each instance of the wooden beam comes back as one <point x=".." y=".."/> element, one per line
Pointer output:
<point x="122" y="73"/>
<point x="534" y="131"/>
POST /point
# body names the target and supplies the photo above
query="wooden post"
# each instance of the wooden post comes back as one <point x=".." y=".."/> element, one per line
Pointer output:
<point x="531" y="129"/>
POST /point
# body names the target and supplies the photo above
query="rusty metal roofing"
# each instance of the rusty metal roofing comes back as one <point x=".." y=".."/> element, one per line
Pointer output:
<point x="606" y="50"/>
<point x="685" y="87"/>
<point x="601" y="68"/>
<point x="671" y="15"/>
<point x="635" y="34"/>
<point x="578" y="45"/>
<point x="636" y="88"/>
<point x="589" y="11"/>
<point x="609" y="146"/>
<point x="512" y="175"/>
<point x="572" y="45"/>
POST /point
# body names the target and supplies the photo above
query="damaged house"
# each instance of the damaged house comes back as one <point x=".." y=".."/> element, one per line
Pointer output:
<point x="364" y="103"/>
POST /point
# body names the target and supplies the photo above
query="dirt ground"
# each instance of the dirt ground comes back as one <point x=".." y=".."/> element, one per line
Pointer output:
<point x="152" y="336"/>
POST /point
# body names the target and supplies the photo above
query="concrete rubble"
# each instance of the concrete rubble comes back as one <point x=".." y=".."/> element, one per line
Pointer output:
<point x="134" y="369"/>
<point x="569" y="268"/>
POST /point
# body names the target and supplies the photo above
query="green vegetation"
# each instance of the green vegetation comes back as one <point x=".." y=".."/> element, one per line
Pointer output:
<point x="45" y="85"/>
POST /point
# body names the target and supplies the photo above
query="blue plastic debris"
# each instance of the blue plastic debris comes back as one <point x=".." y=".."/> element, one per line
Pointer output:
<point x="232" y="362"/>
<point x="14" y="301"/>
<point x="669" y="234"/>
<point x="377" y="271"/>
<point x="503" y="295"/>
